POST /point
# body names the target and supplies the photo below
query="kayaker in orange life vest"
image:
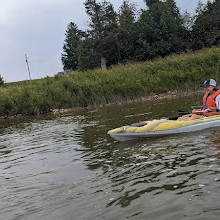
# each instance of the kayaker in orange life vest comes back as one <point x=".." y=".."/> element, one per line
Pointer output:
<point x="211" y="102"/>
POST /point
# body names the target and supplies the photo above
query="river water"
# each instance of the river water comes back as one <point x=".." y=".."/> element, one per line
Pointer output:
<point x="67" y="168"/>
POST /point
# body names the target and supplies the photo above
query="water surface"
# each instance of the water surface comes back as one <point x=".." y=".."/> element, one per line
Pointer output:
<point x="66" y="167"/>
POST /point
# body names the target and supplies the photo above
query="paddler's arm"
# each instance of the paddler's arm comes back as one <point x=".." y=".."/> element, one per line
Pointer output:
<point x="197" y="111"/>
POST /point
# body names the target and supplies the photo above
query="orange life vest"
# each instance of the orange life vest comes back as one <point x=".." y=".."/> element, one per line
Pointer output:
<point x="209" y="102"/>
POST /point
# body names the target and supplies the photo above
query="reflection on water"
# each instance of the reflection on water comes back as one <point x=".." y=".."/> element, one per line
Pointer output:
<point x="214" y="142"/>
<point x="68" y="168"/>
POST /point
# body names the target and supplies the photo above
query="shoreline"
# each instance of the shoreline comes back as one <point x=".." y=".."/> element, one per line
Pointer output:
<point x="168" y="95"/>
<point x="157" y="79"/>
<point x="63" y="111"/>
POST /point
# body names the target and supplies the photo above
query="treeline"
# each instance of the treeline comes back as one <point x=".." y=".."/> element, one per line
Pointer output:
<point x="130" y="36"/>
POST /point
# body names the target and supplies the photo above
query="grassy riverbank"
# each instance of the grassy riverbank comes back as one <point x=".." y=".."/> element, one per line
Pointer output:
<point x="82" y="89"/>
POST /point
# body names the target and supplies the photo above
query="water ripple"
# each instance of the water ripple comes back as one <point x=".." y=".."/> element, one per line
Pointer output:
<point x="67" y="168"/>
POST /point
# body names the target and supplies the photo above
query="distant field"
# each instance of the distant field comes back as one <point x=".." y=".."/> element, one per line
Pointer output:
<point x="95" y="87"/>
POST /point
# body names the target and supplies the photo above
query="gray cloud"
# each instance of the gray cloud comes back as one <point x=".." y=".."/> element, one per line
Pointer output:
<point x="37" y="28"/>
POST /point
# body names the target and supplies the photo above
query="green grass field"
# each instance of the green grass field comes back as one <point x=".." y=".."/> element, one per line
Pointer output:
<point x="96" y="87"/>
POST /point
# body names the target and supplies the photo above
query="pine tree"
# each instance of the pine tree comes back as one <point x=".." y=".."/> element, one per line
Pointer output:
<point x="149" y="3"/>
<point x="188" y="20"/>
<point x="127" y="34"/>
<point x="87" y="56"/>
<point x="103" y="22"/>
<point x="161" y="30"/>
<point x="206" y="29"/>
<point x="73" y="38"/>
<point x="199" y="9"/>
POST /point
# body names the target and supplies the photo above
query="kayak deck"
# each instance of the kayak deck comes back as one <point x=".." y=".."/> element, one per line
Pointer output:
<point x="163" y="127"/>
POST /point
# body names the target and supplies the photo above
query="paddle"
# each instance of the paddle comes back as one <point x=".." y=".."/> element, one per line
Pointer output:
<point x="181" y="113"/>
<point x="209" y="111"/>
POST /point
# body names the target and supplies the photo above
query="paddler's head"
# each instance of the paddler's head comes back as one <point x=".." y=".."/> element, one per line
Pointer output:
<point x="209" y="86"/>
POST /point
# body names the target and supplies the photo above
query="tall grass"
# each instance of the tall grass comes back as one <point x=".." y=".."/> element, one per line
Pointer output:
<point x="90" y="88"/>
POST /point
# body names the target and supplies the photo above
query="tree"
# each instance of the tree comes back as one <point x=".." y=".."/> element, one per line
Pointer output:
<point x="149" y="3"/>
<point x="199" y="9"/>
<point x="206" y="29"/>
<point x="73" y="38"/>
<point x="103" y="22"/>
<point x="87" y="55"/>
<point x="188" y="20"/>
<point x="127" y="34"/>
<point x="161" y="30"/>
<point x="1" y="80"/>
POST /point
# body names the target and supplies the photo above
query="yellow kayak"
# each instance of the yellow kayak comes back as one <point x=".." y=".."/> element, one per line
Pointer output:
<point x="162" y="127"/>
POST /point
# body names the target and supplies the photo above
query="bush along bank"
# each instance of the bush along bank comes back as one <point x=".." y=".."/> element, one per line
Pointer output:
<point x="97" y="87"/>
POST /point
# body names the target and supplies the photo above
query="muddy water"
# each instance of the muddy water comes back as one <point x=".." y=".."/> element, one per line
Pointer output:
<point x="67" y="168"/>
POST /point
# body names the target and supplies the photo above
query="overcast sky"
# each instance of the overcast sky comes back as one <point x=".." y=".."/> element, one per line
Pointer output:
<point x="37" y="28"/>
